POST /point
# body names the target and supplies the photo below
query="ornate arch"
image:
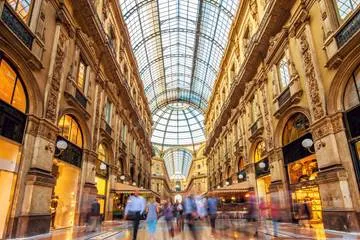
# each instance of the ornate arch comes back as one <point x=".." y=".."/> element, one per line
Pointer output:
<point x="339" y="82"/>
<point x="278" y="133"/>
<point x="82" y="123"/>
<point x="35" y="96"/>
<point x="253" y="148"/>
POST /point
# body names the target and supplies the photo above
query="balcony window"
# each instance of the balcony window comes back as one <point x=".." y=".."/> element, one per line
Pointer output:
<point x="22" y="8"/>
<point x="283" y="73"/>
<point x="81" y="76"/>
<point x="108" y="109"/>
<point x="346" y="7"/>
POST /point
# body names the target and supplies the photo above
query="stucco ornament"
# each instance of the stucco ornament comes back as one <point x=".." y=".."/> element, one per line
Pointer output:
<point x="313" y="87"/>
<point x="56" y="78"/>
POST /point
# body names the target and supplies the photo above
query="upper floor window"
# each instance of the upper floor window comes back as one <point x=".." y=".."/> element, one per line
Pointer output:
<point x="284" y="73"/>
<point x="346" y="7"/>
<point x="70" y="130"/>
<point x="108" y="109"/>
<point x="81" y="76"/>
<point x="11" y="88"/>
<point x="22" y="8"/>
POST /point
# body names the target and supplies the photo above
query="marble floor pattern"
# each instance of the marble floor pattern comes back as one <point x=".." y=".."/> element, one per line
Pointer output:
<point x="234" y="229"/>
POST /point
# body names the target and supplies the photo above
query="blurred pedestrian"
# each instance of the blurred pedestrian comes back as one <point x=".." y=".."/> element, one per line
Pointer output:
<point x="190" y="210"/>
<point x="212" y="203"/>
<point x="94" y="216"/>
<point x="179" y="214"/>
<point x="169" y="217"/>
<point x="263" y="211"/>
<point x="151" y="218"/>
<point x="275" y="217"/>
<point x="134" y="210"/>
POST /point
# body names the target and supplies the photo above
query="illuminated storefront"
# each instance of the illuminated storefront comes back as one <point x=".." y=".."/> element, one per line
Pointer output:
<point x="66" y="170"/>
<point x="262" y="173"/>
<point x="102" y="173"/>
<point x="13" y="108"/>
<point x="302" y="170"/>
<point x="351" y="104"/>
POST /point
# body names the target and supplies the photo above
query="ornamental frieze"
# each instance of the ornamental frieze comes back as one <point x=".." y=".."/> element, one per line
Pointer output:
<point x="313" y="87"/>
<point x="52" y="99"/>
<point x="327" y="126"/>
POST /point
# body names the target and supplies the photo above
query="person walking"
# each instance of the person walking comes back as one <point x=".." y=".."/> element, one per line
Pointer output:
<point x="275" y="217"/>
<point x="151" y="218"/>
<point x="94" y="216"/>
<point x="169" y="217"/>
<point x="134" y="209"/>
<point x="179" y="209"/>
<point x="212" y="203"/>
<point x="190" y="211"/>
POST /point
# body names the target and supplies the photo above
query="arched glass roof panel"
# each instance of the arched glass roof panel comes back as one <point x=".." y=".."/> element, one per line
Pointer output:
<point x="177" y="163"/>
<point x="179" y="36"/>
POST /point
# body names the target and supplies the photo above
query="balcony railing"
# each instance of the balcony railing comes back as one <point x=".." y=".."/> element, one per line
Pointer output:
<point x="80" y="98"/>
<point x="17" y="26"/>
<point x="284" y="96"/>
<point x="352" y="26"/>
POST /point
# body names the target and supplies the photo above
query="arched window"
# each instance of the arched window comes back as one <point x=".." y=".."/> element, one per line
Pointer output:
<point x="102" y="153"/>
<point x="259" y="152"/>
<point x="12" y="90"/>
<point x="296" y="126"/>
<point x="352" y="91"/>
<point x="70" y="130"/>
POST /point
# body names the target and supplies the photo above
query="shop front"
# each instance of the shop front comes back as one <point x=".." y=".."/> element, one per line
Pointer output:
<point x="101" y="178"/>
<point x="262" y="173"/>
<point x="351" y="105"/>
<point x="66" y="170"/>
<point x="13" y="108"/>
<point x="302" y="171"/>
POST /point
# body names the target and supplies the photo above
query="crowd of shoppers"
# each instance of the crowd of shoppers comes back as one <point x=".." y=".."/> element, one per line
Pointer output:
<point x="195" y="211"/>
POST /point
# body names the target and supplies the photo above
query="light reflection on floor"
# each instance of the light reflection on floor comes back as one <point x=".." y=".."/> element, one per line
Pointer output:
<point x="236" y="229"/>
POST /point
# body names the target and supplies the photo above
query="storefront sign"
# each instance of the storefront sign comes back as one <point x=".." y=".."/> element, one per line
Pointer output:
<point x="295" y="151"/>
<point x="12" y="122"/>
<point x="262" y="167"/>
<point x="72" y="154"/>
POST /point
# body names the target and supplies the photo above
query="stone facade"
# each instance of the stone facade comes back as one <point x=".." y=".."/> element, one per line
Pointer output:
<point x="255" y="96"/>
<point x="92" y="32"/>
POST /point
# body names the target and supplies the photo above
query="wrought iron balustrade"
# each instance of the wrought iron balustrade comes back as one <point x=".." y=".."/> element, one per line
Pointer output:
<point x="349" y="30"/>
<point x="80" y="98"/>
<point x="284" y="97"/>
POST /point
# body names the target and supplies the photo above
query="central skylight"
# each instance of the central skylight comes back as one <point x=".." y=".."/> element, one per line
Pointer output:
<point x="178" y="162"/>
<point x="178" y="45"/>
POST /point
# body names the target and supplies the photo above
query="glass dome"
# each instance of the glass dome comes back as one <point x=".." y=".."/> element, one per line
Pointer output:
<point x="178" y="124"/>
<point x="178" y="162"/>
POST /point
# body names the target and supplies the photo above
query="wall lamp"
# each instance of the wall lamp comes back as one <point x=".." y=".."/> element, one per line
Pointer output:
<point x="61" y="145"/>
<point x="308" y="143"/>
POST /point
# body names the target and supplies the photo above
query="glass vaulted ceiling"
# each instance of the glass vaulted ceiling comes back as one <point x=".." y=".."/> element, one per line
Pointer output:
<point x="178" y="45"/>
<point x="178" y="162"/>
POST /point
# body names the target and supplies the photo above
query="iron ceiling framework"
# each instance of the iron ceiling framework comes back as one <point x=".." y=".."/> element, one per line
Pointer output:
<point x="178" y="45"/>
